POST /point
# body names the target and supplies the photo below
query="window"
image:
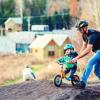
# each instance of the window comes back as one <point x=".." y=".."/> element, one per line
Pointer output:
<point x="18" y="46"/>
<point x="22" y="47"/>
<point x="51" y="51"/>
<point x="9" y="29"/>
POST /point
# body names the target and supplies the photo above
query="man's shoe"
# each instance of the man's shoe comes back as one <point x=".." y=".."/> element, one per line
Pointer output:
<point x="81" y="85"/>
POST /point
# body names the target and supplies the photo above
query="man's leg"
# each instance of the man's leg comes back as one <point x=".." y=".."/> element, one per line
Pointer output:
<point x="97" y="69"/>
<point x="89" y="67"/>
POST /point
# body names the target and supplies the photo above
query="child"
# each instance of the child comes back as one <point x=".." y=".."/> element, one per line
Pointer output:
<point x="69" y="54"/>
<point x="28" y="74"/>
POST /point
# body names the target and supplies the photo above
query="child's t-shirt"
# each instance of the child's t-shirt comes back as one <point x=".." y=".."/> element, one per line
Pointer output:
<point x="65" y="60"/>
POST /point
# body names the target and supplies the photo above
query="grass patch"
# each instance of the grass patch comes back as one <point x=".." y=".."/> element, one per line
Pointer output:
<point x="11" y="82"/>
<point x="35" y="68"/>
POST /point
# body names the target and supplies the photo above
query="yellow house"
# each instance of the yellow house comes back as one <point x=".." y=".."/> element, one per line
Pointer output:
<point x="13" y="24"/>
<point x="49" y="46"/>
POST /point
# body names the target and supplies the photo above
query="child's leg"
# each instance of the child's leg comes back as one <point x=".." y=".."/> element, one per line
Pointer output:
<point x="73" y="70"/>
<point x="66" y="71"/>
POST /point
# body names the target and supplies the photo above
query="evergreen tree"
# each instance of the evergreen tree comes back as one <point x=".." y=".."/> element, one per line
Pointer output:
<point x="7" y="9"/>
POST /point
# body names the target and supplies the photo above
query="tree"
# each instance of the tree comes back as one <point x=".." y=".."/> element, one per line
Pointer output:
<point x="34" y="7"/>
<point x="58" y="20"/>
<point x="7" y="9"/>
<point x="27" y="8"/>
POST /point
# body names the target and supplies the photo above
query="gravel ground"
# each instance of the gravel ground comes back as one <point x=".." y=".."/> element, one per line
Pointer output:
<point x="45" y="90"/>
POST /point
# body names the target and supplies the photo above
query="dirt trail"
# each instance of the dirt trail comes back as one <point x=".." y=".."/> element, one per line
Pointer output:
<point x="45" y="90"/>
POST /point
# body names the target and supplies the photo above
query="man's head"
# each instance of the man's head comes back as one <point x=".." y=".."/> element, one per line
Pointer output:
<point x="82" y="26"/>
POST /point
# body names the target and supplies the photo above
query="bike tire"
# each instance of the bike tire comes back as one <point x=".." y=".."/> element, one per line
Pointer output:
<point x="75" y="79"/>
<point x="58" y="80"/>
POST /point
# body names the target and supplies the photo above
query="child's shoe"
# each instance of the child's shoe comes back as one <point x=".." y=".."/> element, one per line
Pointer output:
<point x="68" y="78"/>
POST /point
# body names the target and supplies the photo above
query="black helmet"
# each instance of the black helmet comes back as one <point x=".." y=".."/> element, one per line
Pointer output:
<point x="82" y="24"/>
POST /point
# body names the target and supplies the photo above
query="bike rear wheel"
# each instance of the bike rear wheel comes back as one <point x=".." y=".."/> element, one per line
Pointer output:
<point x="75" y="79"/>
<point x="58" y="80"/>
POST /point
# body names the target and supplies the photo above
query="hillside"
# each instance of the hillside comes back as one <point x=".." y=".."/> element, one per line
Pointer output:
<point x="45" y="90"/>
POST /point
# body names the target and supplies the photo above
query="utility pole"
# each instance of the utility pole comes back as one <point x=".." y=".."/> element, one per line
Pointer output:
<point x="28" y="23"/>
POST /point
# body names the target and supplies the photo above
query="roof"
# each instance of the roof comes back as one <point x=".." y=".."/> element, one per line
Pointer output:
<point x="17" y="20"/>
<point x="21" y="37"/>
<point x="42" y="41"/>
<point x="40" y="28"/>
<point x="71" y="33"/>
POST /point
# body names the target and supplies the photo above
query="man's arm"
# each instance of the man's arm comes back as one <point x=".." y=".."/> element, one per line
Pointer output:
<point x="85" y="51"/>
<point x="84" y="46"/>
<point x="82" y="54"/>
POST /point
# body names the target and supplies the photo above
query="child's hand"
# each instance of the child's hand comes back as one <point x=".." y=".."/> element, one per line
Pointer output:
<point x="73" y="60"/>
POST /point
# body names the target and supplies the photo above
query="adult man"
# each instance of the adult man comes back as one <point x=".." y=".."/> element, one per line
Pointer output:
<point x="91" y="41"/>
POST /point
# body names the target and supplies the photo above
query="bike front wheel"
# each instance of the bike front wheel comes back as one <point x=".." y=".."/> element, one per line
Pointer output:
<point x="58" y="80"/>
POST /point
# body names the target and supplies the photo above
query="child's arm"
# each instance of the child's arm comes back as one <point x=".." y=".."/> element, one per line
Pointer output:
<point x="76" y="54"/>
<point x="73" y="54"/>
<point x="60" y="60"/>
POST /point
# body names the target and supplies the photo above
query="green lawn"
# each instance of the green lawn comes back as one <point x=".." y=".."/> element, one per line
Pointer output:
<point x="37" y="67"/>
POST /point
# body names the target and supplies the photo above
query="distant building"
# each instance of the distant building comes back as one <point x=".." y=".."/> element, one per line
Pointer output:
<point x="22" y="40"/>
<point x="39" y="28"/>
<point x="49" y="46"/>
<point x="7" y="46"/>
<point x="17" y="42"/>
<point x="13" y="24"/>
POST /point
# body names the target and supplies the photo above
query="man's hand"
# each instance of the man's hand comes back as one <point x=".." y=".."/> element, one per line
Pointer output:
<point x="73" y="60"/>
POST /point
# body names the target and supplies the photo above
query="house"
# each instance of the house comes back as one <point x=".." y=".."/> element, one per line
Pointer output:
<point x="22" y="40"/>
<point x="13" y="24"/>
<point x="49" y="46"/>
<point x="17" y="42"/>
<point x="7" y="46"/>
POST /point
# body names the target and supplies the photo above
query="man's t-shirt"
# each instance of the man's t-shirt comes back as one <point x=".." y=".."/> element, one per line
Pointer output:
<point x="93" y="37"/>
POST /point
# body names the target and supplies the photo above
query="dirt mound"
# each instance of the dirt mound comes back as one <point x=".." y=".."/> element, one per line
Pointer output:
<point x="45" y="90"/>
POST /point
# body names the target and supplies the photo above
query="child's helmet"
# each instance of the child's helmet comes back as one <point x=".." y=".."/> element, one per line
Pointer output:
<point x="69" y="46"/>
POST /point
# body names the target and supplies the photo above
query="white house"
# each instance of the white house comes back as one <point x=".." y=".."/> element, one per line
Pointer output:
<point x="22" y="40"/>
<point x="16" y="42"/>
<point x="7" y="46"/>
